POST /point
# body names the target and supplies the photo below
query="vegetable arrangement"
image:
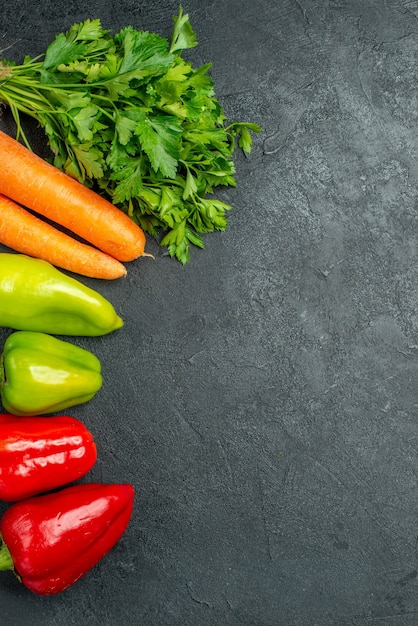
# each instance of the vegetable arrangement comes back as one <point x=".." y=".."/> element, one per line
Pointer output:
<point x="140" y="143"/>
<point x="52" y="534"/>
<point x="127" y="115"/>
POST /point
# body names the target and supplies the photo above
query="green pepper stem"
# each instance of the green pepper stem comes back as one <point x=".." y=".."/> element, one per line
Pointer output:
<point x="6" y="561"/>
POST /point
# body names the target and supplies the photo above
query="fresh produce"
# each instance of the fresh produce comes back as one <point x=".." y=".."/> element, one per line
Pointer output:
<point x="23" y="232"/>
<point x="41" y="374"/>
<point x="39" y="454"/>
<point x="35" y="295"/>
<point x="127" y="115"/>
<point x="32" y="182"/>
<point x="52" y="540"/>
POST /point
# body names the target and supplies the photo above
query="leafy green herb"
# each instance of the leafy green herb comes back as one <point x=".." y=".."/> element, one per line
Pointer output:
<point x="126" y="115"/>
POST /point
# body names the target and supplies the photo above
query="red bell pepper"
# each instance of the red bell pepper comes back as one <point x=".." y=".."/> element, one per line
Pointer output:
<point x="52" y="540"/>
<point x="38" y="454"/>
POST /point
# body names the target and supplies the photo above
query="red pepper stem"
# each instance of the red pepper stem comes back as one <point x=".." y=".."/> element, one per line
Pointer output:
<point x="6" y="561"/>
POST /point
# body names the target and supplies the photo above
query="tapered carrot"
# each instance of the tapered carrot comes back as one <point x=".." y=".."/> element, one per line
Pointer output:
<point x="34" y="183"/>
<point x="23" y="232"/>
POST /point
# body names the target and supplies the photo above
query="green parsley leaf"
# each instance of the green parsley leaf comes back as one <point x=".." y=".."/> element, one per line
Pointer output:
<point x="62" y="51"/>
<point x="183" y="34"/>
<point x="124" y="127"/>
<point x="190" y="188"/>
<point x="160" y="139"/>
<point x="90" y="30"/>
<point x="178" y="241"/>
<point x="145" y="54"/>
<point x="129" y="181"/>
<point x="89" y="160"/>
<point x="84" y="120"/>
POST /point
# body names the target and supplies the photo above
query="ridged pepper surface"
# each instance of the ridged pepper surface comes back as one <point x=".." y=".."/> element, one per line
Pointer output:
<point x="52" y="540"/>
<point x="38" y="454"/>
<point x="35" y="295"/>
<point x="41" y="374"/>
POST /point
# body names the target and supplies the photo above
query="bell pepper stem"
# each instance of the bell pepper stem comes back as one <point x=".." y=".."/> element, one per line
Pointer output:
<point x="6" y="561"/>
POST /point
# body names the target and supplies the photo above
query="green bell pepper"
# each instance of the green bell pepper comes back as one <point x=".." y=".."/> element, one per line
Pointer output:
<point x="41" y="374"/>
<point x="36" y="296"/>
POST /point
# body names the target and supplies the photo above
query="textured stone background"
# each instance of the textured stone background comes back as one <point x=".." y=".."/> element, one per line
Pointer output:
<point x="262" y="399"/>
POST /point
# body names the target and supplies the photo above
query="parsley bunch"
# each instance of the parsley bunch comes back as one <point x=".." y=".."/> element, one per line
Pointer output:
<point x="127" y="115"/>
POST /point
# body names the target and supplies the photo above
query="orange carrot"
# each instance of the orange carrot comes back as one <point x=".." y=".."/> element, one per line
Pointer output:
<point x="23" y="232"/>
<point x="34" y="183"/>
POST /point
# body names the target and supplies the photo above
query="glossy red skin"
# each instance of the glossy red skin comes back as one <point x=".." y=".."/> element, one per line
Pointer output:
<point x="55" y="539"/>
<point x="38" y="454"/>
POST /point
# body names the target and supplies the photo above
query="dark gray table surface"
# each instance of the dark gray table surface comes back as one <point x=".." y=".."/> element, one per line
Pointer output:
<point x="262" y="399"/>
